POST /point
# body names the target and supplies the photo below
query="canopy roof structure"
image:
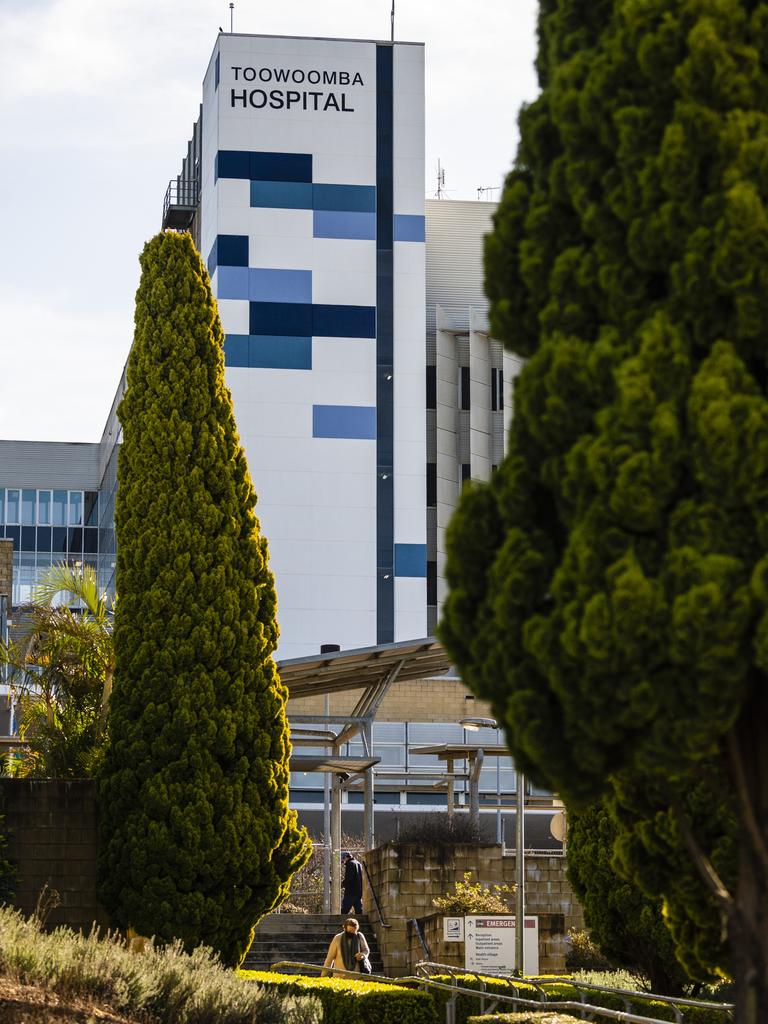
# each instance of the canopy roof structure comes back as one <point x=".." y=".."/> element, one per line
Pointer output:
<point x="333" y="765"/>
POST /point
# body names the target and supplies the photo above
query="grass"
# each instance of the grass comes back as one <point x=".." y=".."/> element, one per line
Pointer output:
<point x="158" y="986"/>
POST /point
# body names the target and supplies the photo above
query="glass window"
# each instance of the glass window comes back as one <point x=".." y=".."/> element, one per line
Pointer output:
<point x="90" y="540"/>
<point x="44" y="508"/>
<point x="435" y="732"/>
<point x="307" y="780"/>
<point x="43" y="538"/>
<point x="435" y="799"/>
<point x="13" y="533"/>
<point x="28" y="538"/>
<point x="59" y="508"/>
<point x="91" y="508"/>
<point x="306" y="796"/>
<point x="2" y="505"/>
<point x="59" y="538"/>
<point x="12" y="509"/>
<point x="75" y="540"/>
<point x="75" y="508"/>
<point x="389" y="732"/>
<point x="391" y="755"/>
<point x="28" y="501"/>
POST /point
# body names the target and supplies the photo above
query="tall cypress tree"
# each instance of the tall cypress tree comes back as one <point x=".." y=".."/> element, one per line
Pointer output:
<point x="610" y="584"/>
<point x="198" y="841"/>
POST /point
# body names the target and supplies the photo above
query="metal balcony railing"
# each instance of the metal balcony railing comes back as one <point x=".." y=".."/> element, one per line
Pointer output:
<point x="180" y="204"/>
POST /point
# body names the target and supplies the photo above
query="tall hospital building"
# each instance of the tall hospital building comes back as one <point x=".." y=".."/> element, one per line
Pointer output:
<point x="365" y="386"/>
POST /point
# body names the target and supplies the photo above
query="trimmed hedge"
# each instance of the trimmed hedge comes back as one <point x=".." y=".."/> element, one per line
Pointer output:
<point x="467" y="1007"/>
<point x="349" y="1001"/>
<point x="524" y="1018"/>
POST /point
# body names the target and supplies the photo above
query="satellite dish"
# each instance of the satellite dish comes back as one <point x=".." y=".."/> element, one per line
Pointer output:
<point x="557" y="826"/>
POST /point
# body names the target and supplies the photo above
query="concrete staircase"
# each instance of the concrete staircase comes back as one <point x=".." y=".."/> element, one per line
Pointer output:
<point x="304" y="938"/>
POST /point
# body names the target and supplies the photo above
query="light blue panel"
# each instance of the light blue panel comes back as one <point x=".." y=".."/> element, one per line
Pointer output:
<point x="353" y="198"/>
<point x="350" y="421"/>
<point x="410" y="559"/>
<point x="344" y="224"/>
<point x="233" y="283"/>
<point x="280" y="353"/>
<point x="279" y="285"/>
<point x="409" y="228"/>
<point x="236" y="350"/>
<point x="282" y="195"/>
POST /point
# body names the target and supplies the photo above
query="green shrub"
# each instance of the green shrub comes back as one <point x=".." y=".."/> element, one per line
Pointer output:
<point x="524" y="1018"/>
<point x="474" y="899"/>
<point x="158" y="986"/>
<point x="349" y="1001"/>
<point x="7" y="869"/>
<point x="583" y="954"/>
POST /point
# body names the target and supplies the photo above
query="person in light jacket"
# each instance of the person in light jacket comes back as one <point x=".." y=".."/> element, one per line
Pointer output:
<point x="348" y="950"/>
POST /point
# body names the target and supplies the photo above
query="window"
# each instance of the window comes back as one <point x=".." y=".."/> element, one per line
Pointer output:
<point x="44" y="508"/>
<point x="464" y="388"/>
<point x="75" y="508"/>
<point x="431" y="582"/>
<point x="59" y="508"/>
<point x="466" y="472"/>
<point x="91" y="513"/>
<point x="431" y="387"/>
<point x="13" y="507"/>
<point x="497" y="389"/>
<point x="2" y="505"/>
<point x="431" y="485"/>
<point x="28" y="501"/>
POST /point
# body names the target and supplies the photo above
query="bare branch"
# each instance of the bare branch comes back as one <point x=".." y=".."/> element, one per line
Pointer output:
<point x="703" y="864"/>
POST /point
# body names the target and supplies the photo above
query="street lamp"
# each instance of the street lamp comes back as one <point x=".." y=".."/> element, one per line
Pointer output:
<point x="474" y="725"/>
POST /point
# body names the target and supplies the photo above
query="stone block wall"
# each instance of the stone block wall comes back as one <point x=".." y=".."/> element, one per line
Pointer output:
<point x="6" y="570"/>
<point x="408" y="877"/>
<point x="52" y="832"/>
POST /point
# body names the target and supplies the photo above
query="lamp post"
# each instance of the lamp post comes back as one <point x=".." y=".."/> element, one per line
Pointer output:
<point x="474" y="725"/>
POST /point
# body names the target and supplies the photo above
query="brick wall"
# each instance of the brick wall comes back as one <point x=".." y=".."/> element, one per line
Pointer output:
<point x="407" y="878"/>
<point x="421" y="700"/>
<point x="6" y="569"/>
<point x="52" y="833"/>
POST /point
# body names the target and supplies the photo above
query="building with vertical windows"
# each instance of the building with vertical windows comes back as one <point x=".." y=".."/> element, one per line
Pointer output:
<point x="366" y="387"/>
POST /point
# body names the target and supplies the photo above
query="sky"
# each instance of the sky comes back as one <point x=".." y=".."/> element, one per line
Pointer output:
<point x="97" y="101"/>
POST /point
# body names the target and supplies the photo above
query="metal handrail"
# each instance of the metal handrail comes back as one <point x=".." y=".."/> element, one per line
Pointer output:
<point x="420" y="937"/>
<point x="673" y="1001"/>
<point x="373" y="893"/>
<point x="483" y="997"/>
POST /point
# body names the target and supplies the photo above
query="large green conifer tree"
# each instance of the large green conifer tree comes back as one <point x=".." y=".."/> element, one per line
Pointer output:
<point x="610" y="585"/>
<point x="198" y="841"/>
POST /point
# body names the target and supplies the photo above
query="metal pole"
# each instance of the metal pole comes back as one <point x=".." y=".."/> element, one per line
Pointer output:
<point x="336" y="843"/>
<point x="327" y="828"/>
<point x="520" y="874"/>
<point x="474" y="789"/>
<point x="450" y="786"/>
<point x="368" y="813"/>
<point x="499" y="829"/>
<point x="393" y="21"/>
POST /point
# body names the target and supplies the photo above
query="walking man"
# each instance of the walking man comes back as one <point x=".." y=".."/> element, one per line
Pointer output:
<point x="352" y="884"/>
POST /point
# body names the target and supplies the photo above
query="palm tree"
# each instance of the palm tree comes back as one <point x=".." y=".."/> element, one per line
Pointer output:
<point x="61" y="666"/>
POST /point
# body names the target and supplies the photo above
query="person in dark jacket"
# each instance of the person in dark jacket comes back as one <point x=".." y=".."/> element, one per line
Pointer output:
<point x="352" y="885"/>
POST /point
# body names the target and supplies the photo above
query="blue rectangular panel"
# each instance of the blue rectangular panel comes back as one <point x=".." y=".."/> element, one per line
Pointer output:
<point x="282" y="319"/>
<point x="409" y="228"/>
<point x="279" y="285"/>
<point x="280" y="353"/>
<point x="343" y="321"/>
<point x="232" y="250"/>
<point x="343" y="224"/>
<point x="351" y="421"/>
<point x="410" y="559"/>
<point x="236" y="350"/>
<point x="352" y="198"/>
<point x="233" y="283"/>
<point x="282" y="195"/>
<point x="213" y="257"/>
<point x="232" y="164"/>
<point x="281" y="167"/>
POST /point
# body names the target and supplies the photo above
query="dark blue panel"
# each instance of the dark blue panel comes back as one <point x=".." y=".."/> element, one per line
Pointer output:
<point x="90" y="540"/>
<point x="213" y="258"/>
<point x="59" y="539"/>
<point x="344" y="421"/>
<point x="332" y="224"/>
<point x="282" y="195"/>
<point x="232" y="250"/>
<point x="410" y="559"/>
<point x="75" y="540"/>
<point x="27" y="538"/>
<point x="343" y="321"/>
<point x="280" y="167"/>
<point x="43" y="538"/>
<point x="409" y="228"/>
<point x="236" y="350"/>
<point x="284" y="319"/>
<point x="353" y="198"/>
<point x="13" y="533"/>
<point x="233" y="164"/>
<point x="277" y="352"/>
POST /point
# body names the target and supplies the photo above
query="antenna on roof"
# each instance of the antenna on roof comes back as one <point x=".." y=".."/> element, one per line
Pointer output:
<point x="440" y="194"/>
<point x="231" y="17"/>
<point x="392" y="19"/>
<point x="487" y="188"/>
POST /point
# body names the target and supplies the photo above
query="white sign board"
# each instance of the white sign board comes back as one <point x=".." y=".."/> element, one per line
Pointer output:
<point x="453" y="929"/>
<point x="490" y="943"/>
